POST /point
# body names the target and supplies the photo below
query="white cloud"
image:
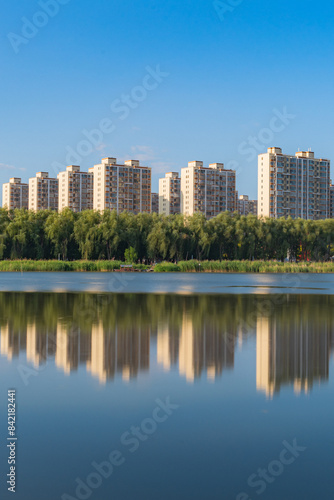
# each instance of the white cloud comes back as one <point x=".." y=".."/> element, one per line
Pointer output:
<point x="101" y="147"/>
<point x="4" y="166"/>
<point x="143" y="153"/>
<point x="160" y="167"/>
<point x="148" y="157"/>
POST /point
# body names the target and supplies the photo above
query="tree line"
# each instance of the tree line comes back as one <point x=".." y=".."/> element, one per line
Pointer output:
<point x="93" y="235"/>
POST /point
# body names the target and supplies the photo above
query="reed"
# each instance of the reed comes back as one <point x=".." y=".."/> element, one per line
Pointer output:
<point x="190" y="266"/>
<point x="167" y="267"/>
<point x="246" y="266"/>
<point x="63" y="266"/>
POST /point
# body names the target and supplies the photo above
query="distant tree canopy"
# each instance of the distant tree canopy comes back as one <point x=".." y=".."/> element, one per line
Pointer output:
<point x="92" y="235"/>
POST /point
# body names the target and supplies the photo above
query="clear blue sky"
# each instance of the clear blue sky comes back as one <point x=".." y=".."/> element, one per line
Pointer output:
<point x="227" y="72"/>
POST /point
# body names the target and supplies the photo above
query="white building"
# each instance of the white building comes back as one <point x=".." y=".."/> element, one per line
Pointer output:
<point x="246" y="206"/>
<point x="43" y="192"/>
<point x="207" y="190"/>
<point x="296" y="186"/>
<point x="170" y="194"/>
<point x="75" y="189"/>
<point x="15" y="194"/>
<point x="122" y="187"/>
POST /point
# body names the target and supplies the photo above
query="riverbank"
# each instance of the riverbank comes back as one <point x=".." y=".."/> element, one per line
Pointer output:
<point x="190" y="266"/>
<point x="65" y="266"/>
<point x="246" y="266"/>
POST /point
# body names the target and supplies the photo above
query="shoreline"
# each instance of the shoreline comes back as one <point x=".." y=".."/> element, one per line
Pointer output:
<point x="193" y="266"/>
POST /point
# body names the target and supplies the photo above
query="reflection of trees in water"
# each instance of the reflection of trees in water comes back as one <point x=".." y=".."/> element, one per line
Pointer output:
<point x="84" y="310"/>
<point x="111" y="334"/>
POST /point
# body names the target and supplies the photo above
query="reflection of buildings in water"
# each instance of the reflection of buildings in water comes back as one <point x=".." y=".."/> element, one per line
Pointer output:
<point x="204" y="348"/>
<point x="73" y="347"/>
<point x="198" y="349"/>
<point x="37" y="343"/>
<point x="167" y="346"/>
<point x="9" y="342"/>
<point x="240" y="337"/>
<point x="101" y="364"/>
<point x="67" y="348"/>
<point x="332" y="341"/>
<point x="104" y="352"/>
<point x="124" y="350"/>
<point x="290" y="353"/>
<point x="133" y="350"/>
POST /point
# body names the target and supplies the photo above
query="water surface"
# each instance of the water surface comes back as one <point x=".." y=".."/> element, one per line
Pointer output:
<point x="247" y="376"/>
<point x="181" y="283"/>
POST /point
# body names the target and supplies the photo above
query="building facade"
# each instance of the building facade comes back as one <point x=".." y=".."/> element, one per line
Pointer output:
<point x="209" y="191"/>
<point x="296" y="186"/>
<point x="155" y="203"/>
<point x="331" y="202"/>
<point x="15" y="194"/>
<point x="122" y="187"/>
<point x="246" y="206"/>
<point x="75" y="189"/>
<point x="170" y="194"/>
<point x="43" y="192"/>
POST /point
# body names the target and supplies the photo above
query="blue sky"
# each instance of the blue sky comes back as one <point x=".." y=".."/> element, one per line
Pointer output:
<point x="226" y="73"/>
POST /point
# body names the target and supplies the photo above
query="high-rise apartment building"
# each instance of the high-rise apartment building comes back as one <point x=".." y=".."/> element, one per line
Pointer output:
<point x="43" y="192"/>
<point x="331" y="201"/>
<point x="296" y="186"/>
<point x="122" y="187"/>
<point x="75" y="189"/>
<point x="15" y="194"/>
<point x="246" y="206"/>
<point x="207" y="190"/>
<point x="170" y="194"/>
<point x="155" y="203"/>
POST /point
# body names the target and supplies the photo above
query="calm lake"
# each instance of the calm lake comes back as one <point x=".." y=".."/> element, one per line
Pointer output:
<point x="208" y="387"/>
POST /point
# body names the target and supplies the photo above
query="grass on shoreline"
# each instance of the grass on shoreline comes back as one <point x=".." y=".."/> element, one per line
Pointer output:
<point x="61" y="266"/>
<point x="245" y="266"/>
<point x="190" y="266"/>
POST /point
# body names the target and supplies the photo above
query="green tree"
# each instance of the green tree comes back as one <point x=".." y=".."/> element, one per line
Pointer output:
<point x="159" y="239"/>
<point x="60" y="230"/>
<point x="4" y="221"/>
<point x="87" y="234"/>
<point x="112" y="233"/>
<point x="130" y="255"/>
<point x="201" y="240"/>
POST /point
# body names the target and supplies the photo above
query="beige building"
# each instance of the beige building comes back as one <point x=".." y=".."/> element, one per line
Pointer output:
<point x="43" y="192"/>
<point x="331" y="203"/>
<point x="75" y="189"/>
<point x="246" y="206"/>
<point x="15" y="194"/>
<point x="122" y="187"/>
<point x="170" y="194"/>
<point x="155" y="203"/>
<point x="209" y="191"/>
<point x="296" y="186"/>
